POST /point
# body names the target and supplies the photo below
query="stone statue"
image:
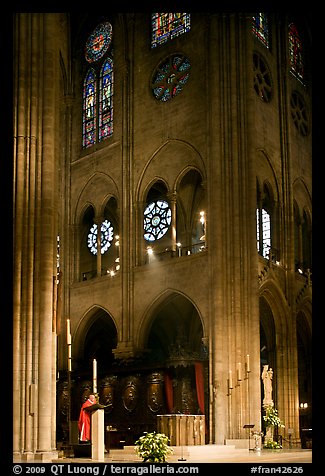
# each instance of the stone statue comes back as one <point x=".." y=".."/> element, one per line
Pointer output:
<point x="267" y="375"/>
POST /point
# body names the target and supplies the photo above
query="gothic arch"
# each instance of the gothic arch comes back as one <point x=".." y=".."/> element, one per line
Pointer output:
<point x="173" y="157"/>
<point x="272" y="293"/>
<point x="156" y="306"/>
<point x="85" y="323"/>
<point x="266" y="174"/>
<point x="97" y="191"/>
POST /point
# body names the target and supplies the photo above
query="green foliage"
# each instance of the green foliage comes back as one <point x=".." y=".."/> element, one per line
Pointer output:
<point x="153" y="447"/>
<point x="271" y="417"/>
<point x="272" y="445"/>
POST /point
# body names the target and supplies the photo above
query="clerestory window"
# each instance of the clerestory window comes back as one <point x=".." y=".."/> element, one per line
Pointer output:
<point x="166" y="26"/>
<point x="97" y="123"/>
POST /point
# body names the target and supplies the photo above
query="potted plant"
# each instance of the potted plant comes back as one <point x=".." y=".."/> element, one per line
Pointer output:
<point x="153" y="447"/>
<point x="272" y="420"/>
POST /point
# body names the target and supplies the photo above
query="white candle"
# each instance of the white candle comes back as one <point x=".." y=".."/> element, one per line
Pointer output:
<point x="95" y="376"/>
<point x="69" y="358"/>
<point x="230" y="379"/>
<point x="248" y="369"/>
<point x="239" y="371"/>
<point x="68" y="332"/>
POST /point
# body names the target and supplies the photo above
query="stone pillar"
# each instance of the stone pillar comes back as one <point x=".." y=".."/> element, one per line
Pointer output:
<point x="98" y="222"/>
<point x="36" y="230"/>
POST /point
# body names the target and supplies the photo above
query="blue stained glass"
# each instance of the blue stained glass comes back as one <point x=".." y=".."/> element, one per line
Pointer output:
<point x="98" y="87"/>
<point x="98" y="42"/>
<point x="260" y="27"/>
<point x="165" y="26"/>
<point x="89" y="109"/>
<point x="169" y="78"/>
<point x="106" y="100"/>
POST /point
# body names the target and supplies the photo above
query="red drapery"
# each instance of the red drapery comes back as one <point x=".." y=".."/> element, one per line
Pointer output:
<point x="169" y="393"/>
<point x="199" y="385"/>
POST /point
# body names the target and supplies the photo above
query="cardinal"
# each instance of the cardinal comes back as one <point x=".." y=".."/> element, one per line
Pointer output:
<point x="84" y="419"/>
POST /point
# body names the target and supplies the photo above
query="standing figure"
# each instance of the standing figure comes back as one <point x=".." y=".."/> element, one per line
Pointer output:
<point x="84" y="419"/>
<point x="267" y="376"/>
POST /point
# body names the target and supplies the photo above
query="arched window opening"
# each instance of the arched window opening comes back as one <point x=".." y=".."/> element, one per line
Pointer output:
<point x="306" y="242"/>
<point x="157" y="223"/>
<point x="106" y="100"/>
<point x="191" y="214"/>
<point x="297" y="237"/>
<point x="166" y="26"/>
<point x="89" y="109"/>
<point x="264" y="225"/>
<point x="296" y="59"/>
<point x="98" y="87"/>
<point x="260" y="28"/>
<point x="107" y="262"/>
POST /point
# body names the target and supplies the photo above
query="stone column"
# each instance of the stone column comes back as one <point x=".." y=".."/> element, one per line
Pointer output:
<point x="36" y="212"/>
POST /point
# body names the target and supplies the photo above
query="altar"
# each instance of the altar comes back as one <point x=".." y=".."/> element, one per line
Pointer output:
<point x="181" y="429"/>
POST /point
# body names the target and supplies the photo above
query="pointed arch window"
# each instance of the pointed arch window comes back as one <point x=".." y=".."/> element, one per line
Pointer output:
<point x="263" y="232"/>
<point x="166" y="26"/>
<point x="98" y="87"/>
<point x="106" y="100"/>
<point x="260" y="28"/>
<point x="295" y="52"/>
<point x="89" y="109"/>
<point x="265" y="221"/>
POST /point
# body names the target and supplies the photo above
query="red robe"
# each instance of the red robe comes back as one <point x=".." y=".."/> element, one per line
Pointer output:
<point x="84" y="422"/>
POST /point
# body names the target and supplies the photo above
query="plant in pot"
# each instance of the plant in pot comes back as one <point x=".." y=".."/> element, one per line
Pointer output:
<point x="272" y="420"/>
<point x="153" y="447"/>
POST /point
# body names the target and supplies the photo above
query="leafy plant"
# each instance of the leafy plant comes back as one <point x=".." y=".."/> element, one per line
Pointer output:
<point x="271" y="417"/>
<point x="272" y="445"/>
<point x="153" y="447"/>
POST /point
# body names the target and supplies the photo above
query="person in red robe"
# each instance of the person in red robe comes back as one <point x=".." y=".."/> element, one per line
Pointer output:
<point x="84" y="419"/>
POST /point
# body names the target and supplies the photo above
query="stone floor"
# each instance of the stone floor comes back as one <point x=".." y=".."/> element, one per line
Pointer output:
<point x="199" y="454"/>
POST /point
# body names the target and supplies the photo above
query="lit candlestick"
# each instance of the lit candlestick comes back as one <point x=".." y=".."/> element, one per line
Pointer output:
<point x="69" y="359"/>
<point x="230" y="379"/>
<point x="95" y="376"/>
<point x="68" y="332"/>
<point x="248" y="369"/>
<point x="239" y="371"/>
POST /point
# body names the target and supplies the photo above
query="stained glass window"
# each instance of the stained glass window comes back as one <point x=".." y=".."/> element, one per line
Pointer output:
<point x="106" y="100"/>
<point x="260" y="27"/>
<point x="89" y="109"/>
<point x="166" y="26"/>
<point x="106" y="237"/>
<point x="295" y="52"/>
<point x="157" y="219"/>
<point x="98" y="42"/>
<point x="98" y="87"/>
<point x="170" y="77"/>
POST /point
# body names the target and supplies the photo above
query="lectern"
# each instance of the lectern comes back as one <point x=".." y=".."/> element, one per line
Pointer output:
<point x="97" y="435"/>
<point x="97" y="431"/>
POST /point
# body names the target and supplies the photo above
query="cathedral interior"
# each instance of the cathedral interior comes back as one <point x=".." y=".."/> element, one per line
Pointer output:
<point x="187" y="138"/>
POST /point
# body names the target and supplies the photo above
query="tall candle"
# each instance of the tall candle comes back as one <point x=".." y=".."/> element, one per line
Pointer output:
<point x="69" y="358"/>
<point x="248" y="369"/>
<point x="239" y="371"/>
<point x="68" y="332"/>
<point x="230" y="379"/>
<point x="95" y="376"/>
